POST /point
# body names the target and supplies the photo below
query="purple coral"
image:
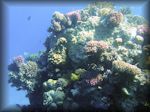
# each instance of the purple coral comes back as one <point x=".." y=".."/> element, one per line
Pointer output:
<point x="95" y="46"/>
<point x="18" y="60"/>
<point x="74" y="16"/>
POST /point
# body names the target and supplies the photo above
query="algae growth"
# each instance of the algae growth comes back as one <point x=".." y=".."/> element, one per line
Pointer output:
<point x="95" y="58"/>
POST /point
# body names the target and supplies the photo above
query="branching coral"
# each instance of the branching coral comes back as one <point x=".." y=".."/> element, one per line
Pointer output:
<point x="27" y="76"/>
<point x="136" y="20"/>
<point x="122" y="66"/>
<point x="95" y="46"/>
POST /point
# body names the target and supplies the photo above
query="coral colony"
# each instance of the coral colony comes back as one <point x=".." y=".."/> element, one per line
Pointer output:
<point x="95" y="58"/>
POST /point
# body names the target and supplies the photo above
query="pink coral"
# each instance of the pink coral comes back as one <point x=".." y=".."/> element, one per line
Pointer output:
<point x="93" y="46"/>
<point x="102" y="45"/>
<point x="94" y="81"/>
<point x="18" y="60"/>
<point x="143" y="30"/>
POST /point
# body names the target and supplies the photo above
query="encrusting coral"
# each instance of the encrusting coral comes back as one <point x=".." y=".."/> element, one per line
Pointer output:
<point x="95" y="58"/>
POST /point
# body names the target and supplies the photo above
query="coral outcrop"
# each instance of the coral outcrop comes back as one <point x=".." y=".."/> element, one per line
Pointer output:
<point x="95" y="58"/>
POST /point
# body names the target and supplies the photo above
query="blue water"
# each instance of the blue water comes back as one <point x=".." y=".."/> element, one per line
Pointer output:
<point x="26" y="30"/>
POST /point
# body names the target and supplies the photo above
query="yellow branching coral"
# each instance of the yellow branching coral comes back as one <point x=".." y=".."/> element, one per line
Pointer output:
<point x="56" y="58"/>
<point x="124" y="67"/>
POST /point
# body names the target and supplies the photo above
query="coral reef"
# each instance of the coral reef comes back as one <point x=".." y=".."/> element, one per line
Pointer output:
<point x="95" y="58"/>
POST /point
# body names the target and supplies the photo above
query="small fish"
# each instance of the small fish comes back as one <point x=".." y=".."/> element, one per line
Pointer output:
<point x="29" y="18"/>
<point x="125" y="91"/>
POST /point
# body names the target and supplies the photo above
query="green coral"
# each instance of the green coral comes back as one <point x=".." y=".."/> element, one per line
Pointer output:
<point x="76" y="75"/>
